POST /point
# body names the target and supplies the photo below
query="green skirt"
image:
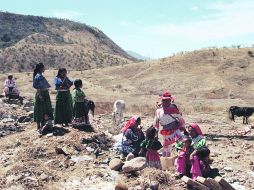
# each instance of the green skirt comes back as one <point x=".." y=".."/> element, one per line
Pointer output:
<point x="42" y="106"/>
<point x="63" y="109"/>
<point x="80" y="109"/>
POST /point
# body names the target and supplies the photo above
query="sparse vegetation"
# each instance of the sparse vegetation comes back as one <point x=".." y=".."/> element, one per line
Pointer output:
<point x="44" y="39"/>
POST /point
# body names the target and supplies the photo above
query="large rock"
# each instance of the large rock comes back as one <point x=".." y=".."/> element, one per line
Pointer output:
<point x="115" y="164"/>
<point x="135" y="164"/>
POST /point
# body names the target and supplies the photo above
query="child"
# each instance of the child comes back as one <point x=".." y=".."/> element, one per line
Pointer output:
<point x="151" y="145"/>
<point x="80" y="110"/>
<point x="47" y="125"/>
<point x="182" y="162"/>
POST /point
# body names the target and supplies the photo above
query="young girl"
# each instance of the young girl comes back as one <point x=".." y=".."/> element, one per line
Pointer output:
<point x="63" y="109"/>
<point x="182" y="162"/>
<point x="151" y="145"/>
<point x="80" y="110"/>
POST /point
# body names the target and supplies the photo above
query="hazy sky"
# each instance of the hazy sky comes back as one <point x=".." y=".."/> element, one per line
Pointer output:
<point x="155" y="28"/>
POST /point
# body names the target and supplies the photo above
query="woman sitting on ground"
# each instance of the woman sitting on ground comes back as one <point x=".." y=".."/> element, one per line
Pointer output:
<point x="10" y="86"/>
<point x="132" y="137"/>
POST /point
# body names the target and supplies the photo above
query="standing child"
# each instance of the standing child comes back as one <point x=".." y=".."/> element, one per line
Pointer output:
<point x="151" y="145"/>
<point x="80" y="109"/>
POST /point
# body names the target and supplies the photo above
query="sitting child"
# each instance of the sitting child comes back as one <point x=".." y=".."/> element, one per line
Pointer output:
<point x="182" y="162"/>
<point x="47" y="125"/>
<point x="80" y="109"/>
<point x="150" y="147"/>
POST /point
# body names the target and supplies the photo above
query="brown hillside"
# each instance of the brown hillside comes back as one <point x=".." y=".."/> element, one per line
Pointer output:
<point x="26" y="40"/>
<point x="206" y="80"/>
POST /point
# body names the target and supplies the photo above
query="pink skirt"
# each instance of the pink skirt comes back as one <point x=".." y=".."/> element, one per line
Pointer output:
<point x="153" y="159"/>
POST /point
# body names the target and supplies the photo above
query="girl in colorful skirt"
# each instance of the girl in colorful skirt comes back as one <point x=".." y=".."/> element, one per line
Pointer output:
<point x="63" y="109"/>
<point x="42" y="105"/>
<point x="80" y="109"/>
<point x="182" y="162"/>
<point x="151" y="145"/>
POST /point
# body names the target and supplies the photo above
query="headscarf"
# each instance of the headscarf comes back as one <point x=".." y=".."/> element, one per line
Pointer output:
<point x="196" y="128"/>
<point x="168" y="108"/>
<point x="132" y="121"/>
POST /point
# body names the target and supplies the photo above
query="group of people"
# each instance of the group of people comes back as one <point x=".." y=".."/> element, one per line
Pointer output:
<point x="71" y="107"/>
<point x="192" y="152"/>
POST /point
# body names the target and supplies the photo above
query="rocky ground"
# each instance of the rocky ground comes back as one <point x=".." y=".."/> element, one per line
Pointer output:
<point x="69" y="158"/>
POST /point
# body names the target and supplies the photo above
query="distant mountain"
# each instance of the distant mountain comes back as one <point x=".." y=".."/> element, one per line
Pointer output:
<point x="26" y="40"/>
<point x="137" y="56"/>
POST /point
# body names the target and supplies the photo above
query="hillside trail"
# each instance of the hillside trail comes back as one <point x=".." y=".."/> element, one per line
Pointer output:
<point x="30" y="162"/>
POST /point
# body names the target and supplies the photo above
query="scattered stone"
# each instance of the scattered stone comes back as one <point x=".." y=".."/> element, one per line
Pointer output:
<point x="237" y="156"/>
<point x="18" y="143"/>
<point x="135" y="164"/>
<point x="129" y="157"/>
<point x="228" y="169"/>
<point x="115" y="164"/>
<point x="81" y="158"/>
<point x="43" y="177"/>
<point x="7" y="120"/>
<point x="89" y="149"/>
<point x="60" y="151"/>
<point x="224" y="184"/>
<point x="194" y="184"/>
<point x="49" y="135"/>
<point x="247" y="129"/>
<point x="121" y="186"/>
<point x="24" y="118"/>
<point x="154" y="185"/>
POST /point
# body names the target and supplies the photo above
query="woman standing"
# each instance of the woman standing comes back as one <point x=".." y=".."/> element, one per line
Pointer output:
<point x="63" y="109"/>
<point x="42" y="106"/>
<point x="168" y="116"/>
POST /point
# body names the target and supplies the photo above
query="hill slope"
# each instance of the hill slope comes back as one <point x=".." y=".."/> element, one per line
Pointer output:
<point x="26" y="40"/>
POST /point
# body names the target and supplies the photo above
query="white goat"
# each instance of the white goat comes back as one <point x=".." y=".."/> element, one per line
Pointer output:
<point x="118" y="109"/>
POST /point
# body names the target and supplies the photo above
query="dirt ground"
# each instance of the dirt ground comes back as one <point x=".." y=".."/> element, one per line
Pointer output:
<point x="206" y="84"/>
<point x="30" y="162"/>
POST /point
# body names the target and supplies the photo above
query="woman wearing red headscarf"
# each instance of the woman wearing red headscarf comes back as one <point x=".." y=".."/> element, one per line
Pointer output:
<point x="168" y="116"/>
<point x="132" y="136"/>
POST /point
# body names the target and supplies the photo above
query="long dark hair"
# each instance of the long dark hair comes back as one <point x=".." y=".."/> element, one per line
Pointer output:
<point x="150" y="133"/>
<point x="37" y="69"/>
<point x="60" y="70"/>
